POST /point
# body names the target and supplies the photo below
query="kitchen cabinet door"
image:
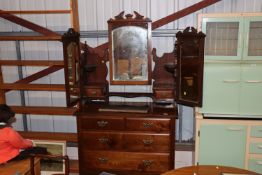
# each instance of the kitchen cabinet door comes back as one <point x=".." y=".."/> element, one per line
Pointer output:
<point x="223" y="38"/>
<point x="221" y="88"/>
<point x="250" y="93"/>
<point x="253" y="38"/>
<point x="222" y="144"/>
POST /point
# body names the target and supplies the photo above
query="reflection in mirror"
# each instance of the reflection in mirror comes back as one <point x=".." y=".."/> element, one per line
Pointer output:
<point x="129" y="53"/>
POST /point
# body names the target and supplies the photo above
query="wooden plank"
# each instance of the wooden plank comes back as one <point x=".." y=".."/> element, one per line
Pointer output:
<point x="74" y="15"/>
<point x="27" y="24"/>
<point x="30" y="38"/>
<point x="5" y="62"/>
<point x="44" y="110"/>
<point x="39" y="74"/>
<point x="36" y="11"/>
<point x="33" y="87"/>
<point x="69" y="137"/>
<point x="186" y="11"/>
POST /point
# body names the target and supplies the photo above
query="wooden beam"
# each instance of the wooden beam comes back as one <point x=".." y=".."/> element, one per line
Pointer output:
<point x="44" y="110"/>
<point x="5" y="62"/>
<point x="170" y="18"/>
<point x="2" y="92"/>
<point x="33" y="87"/>
<point x="27" y="24"/>
<point x="184" y="12"/>
<point x="31" y="38"/>
<point x="69" y="137"/>
<point x="36" y="11"/>
<point x="39" y="74"/>
<point x="74" y="15"/>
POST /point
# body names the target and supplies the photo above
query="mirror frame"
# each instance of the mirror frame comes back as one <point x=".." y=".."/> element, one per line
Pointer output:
<point x="128" y="20"/>
<point x="71" y="53"/>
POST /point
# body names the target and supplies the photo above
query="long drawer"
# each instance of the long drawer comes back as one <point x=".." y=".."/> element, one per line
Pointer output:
<point x="148" y="124"/>
<point x="121" y="141"/>
<point x="143" y="162"/>
<point x="101" y="123"/>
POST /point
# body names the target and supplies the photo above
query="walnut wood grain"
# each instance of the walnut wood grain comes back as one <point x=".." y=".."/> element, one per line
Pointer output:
<point x="48" y="110"/>
<point x="208" y="170"/>
<point x="33" y="87"/>
<point x="6" y="62"/>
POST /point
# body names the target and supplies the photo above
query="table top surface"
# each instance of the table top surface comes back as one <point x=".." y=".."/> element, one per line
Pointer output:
<point x="209" y="170"/>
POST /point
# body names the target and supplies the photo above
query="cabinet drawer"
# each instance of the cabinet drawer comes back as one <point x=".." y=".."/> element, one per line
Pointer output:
<point x="94" y="92"/>
<point x="126" y="161"/>
<point x="148" y="124"/>
<point x="147" y="142"/>
<point x="164" y="94"/>
<point x="255" y="164"/>
<point x="256" y="131"/>
<point x="255" y="148"/>
<point x="101" y="140"/>
<point x="101" y="123"/>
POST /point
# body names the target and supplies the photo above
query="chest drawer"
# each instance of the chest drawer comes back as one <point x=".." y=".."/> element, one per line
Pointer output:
<point x="256" y="131"/>
<point x="126" y="161"/>
<point x="101" y="123"/>
<point x="255" y="148"/>
<point x="101" y="140"/>
<point x="146" y="142"/>
<point x="148" y="124"/>
<point x="95" y="91"/>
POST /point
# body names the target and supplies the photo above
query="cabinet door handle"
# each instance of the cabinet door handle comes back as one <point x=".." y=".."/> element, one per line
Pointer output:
<point x="231" y="81"/>
<point x="102" y="123"/>
<point x="253" y="81"/>
<point x="259" y="162"/>
<point x="147" y="163"/>
<point x="103" y="160"/>
<point x="234" y="129"/>
<point x="103" y="140"/>
<point x="147" y="125"/>
<point x="148" y="141"/>
<point x="259" y="146"/>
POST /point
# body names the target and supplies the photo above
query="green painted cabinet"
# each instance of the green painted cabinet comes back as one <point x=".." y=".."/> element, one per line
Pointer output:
<point x="233" y="66"/>
<point x="222" y="144"/>
<point x="221" y="88"/>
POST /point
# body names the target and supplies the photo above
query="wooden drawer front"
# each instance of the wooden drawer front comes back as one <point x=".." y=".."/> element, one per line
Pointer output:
<point x="101" y="140"/>
<point x="256" y="131"/>
<point x="126" y="161"/>
<point x="164" y="94"/>
<point x="255" y="164"/>
<point x="102" y="123"/>
<point x="94" y="92"/>
<point x="146" y="142"/>
<point x="148" y="124"/>
<point x="255" y="148"/>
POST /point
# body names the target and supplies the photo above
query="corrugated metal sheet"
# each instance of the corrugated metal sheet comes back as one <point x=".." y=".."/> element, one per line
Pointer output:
<point x="93" y="15"/>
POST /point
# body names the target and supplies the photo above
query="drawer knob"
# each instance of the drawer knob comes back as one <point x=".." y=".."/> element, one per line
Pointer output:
<point x="103" y="160"/>
<point x="103" y="140"/>
<point x="102" y="123"/>
<point x="148" y="141"/>
<point x="147" y="163"/>
<point x="259" y="162"/>
<point x="148" y="125"/>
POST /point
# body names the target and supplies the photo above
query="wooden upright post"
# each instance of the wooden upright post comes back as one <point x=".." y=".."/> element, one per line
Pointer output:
<point x="2" y="92"/>
<point x="74" y="15"/>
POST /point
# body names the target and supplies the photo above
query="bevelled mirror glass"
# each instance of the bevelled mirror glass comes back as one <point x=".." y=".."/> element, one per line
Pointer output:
<point x="130" y="47"/>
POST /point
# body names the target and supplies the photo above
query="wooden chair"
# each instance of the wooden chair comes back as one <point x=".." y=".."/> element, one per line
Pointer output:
<point x="50" y="157"/>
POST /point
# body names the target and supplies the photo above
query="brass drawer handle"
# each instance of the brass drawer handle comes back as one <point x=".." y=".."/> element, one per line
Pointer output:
<point x="259" y="146"/>
<point x="93" y="92"/>
<point x="148" y="125"/>
<point x="103" y="140"/>
<point x="103" y="160"/>
<point x="102" y="123"/>
<point x="147" y="163"/>
<point x="148" y="141"/>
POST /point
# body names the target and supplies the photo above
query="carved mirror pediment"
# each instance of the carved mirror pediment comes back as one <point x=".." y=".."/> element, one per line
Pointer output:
<point x="129" y="49"/>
